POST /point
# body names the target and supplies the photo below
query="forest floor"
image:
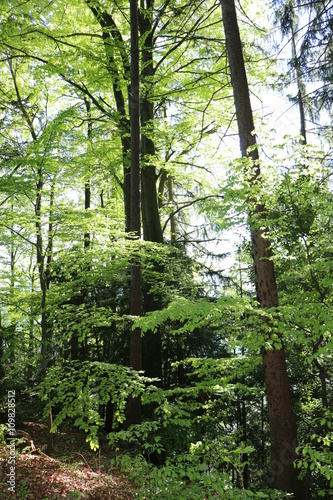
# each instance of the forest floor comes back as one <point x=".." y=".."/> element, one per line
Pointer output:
<point x="72" y="472"/>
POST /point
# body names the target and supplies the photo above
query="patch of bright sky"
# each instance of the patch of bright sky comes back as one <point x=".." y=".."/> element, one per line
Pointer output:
<point x="277" y="117"/>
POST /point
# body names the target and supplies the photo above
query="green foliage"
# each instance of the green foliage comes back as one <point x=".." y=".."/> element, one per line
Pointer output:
<point x="316" y="455"/>
<point x="78" y="389"/>
<point x="186" y="476"/>
<point x="64" y="83"/>
<point x="195" y="440"/>
<point x="3" y="430"/>
<point x="74" y="494"/>
<point x="23" y="491"/>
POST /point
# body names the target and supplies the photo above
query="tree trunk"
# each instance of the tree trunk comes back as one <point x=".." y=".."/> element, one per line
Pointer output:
<point x="79" y="351"/>
<point x="150" y="216"/>
<point x="299" y="83"/>
<point x="134" y="407"/>
<point x="43" y="262"/>
<point x="283" y="431"/>
<point x="40" y="256"/>
<point x="152" y="230"/>
<point x="111" y="33"/>
<point x="12" y="287"/>
<point x="31" y="341"/>
<point x="87" y="181"/>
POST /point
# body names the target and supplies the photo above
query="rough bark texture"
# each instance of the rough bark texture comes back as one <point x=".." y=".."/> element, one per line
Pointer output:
<point x="283" y="431"/>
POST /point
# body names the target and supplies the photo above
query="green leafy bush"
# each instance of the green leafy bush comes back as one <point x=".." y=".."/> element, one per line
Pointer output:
<point x="78" y="389"/>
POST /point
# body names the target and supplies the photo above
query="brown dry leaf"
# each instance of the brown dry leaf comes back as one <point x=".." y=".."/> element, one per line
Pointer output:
<point x="39" y="477"/>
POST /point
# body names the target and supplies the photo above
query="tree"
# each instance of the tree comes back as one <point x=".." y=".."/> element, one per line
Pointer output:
<point x="73" y="188"/>
<point x="309" y="29"/>
<point x="135" y="298"/>
<point x="283" y="429"/>
<point x="287" y="22"/>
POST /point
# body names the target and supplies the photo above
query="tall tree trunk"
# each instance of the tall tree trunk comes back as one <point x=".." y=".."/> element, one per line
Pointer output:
<point x="43" y="262"/>
<point x="283" y="431"/>
<point x="134" y="407"/>
<point x="31" y="343"/>
<point x="152" y="230"/>
<point x="12" y="287"/>
<point x="150" y="216"/>
<point x="112" y="37"/>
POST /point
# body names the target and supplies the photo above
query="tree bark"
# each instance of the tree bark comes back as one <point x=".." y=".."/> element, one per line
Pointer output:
<point x="150" y="216"/>
<point x="79" y="350"/>
<point x="134" y="407"/>
<point x="111" y="33"/>
<point x="42" y="259"/>
<point x="299" y="83"/>
<point x="283" y="431"/>
<point x="87" y="182"/>
<point x="152" y="230"/>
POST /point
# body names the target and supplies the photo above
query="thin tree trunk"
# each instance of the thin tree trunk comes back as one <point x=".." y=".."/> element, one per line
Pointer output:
<point x="87" y="183"/>
<point x="283" y="431"/>
<point x="165" y="178"/>
<point x="299" y="84"/>
<point x="32" y="269"/>
<point x="111" y="34"/>
<point x="43" y="263"/>
<point x="172" y="218"/>
<point x="79" y="351"/>
<point x="46" y="332"/>
<point x="12" y="287"/>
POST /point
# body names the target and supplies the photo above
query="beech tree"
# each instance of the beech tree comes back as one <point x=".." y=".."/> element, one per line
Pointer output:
<point x="136" y="342"/>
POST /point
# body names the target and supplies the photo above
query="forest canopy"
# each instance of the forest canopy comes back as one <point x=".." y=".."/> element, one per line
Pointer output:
<point x="166" y="237"/>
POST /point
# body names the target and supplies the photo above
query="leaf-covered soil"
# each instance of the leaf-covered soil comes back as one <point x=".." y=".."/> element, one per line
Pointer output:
<point x="73" y="471"/>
